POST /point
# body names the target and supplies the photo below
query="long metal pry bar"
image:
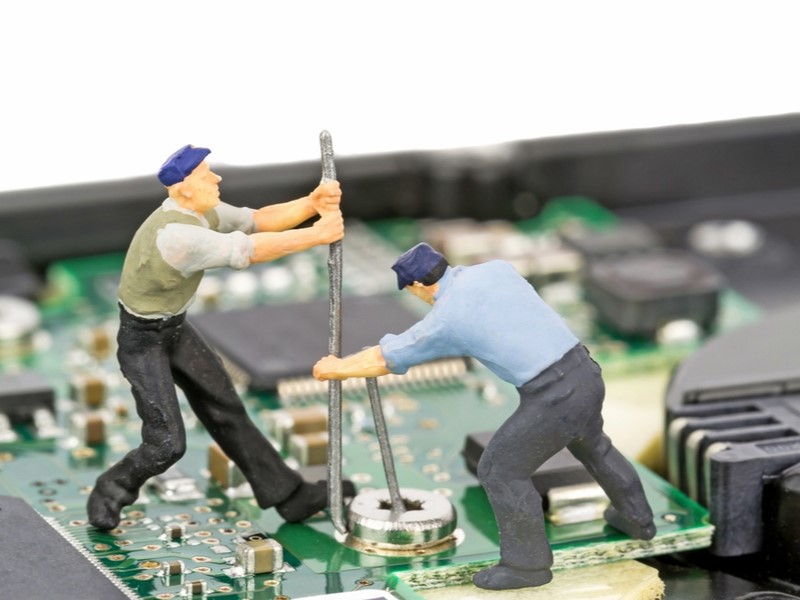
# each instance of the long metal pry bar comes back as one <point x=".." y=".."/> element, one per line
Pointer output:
<point x="335" y="500"/>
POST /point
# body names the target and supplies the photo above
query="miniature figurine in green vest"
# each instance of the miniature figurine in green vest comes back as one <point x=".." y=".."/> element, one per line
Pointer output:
<point x="190" y="232"/>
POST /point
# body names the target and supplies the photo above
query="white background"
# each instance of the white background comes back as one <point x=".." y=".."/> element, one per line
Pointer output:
<point x="103" y="90"/>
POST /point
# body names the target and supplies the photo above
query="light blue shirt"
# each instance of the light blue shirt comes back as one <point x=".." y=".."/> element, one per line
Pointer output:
<point x="488" y="312"/>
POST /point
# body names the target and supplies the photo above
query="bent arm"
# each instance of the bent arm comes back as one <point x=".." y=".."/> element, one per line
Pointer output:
<point x="367" y="363"/>
<point x="271" y="245"/>
<point x="280" y="217"/>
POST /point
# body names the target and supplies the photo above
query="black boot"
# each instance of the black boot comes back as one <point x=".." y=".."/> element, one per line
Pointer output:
<point x="501" y="577"/>
<point x="308" y="499"/>
<point x="614" y="518"/>
<point x="106" y="503"/>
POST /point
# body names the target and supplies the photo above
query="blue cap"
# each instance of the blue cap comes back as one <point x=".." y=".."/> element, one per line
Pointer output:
<point x="414" y="264"/>
<point x="182" y="163"/>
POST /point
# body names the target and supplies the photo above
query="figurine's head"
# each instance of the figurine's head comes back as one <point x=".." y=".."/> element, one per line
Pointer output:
<point x="189" y="179"/>
<point x="419" y="271"/>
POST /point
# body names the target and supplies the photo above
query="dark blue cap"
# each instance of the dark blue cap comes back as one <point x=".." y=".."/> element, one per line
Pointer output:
<point x="414" y="264"/>
<point x="182" y="163"/>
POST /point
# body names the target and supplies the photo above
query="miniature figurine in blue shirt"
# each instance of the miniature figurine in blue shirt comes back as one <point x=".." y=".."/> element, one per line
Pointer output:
<point x="490" y="313"/>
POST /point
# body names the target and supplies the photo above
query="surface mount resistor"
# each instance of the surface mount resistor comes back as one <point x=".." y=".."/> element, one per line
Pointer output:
<point x="259" y="555"/>
<point x="309" y="448"/>
<point x="283" y="423"/>
<point x="88" y="390"/>
<point x="222" y="469"/>
<point x="172" y="568"/>
<point x="194" y="588"/>
<point x="90" y="427"/>
<point x="98" y="341"/>
<point x="174" y="531"/>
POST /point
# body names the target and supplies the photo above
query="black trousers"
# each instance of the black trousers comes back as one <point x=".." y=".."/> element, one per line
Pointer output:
<point x="156" y="354"/>
<point x="558" y="408"/>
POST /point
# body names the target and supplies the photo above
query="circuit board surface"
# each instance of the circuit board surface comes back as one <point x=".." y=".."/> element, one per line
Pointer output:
<point x="428" y="415"/>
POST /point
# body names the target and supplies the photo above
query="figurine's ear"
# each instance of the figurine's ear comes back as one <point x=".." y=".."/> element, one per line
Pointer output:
<point x="184" y="190"/>
<point x="181" y="193"/>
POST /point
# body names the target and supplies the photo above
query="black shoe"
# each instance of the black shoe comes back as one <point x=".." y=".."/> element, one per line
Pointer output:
<point x="637" y="532"/>
<point x="500" y="577"/>
<point x="308" y="499"/>
<point x="106" y="503"/>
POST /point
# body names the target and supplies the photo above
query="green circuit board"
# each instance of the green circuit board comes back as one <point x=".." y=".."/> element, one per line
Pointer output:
<point x="428" y="417"/>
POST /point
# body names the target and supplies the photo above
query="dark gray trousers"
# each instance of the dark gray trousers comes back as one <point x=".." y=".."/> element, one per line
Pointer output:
<point x="156" y="354"/>
<point x="559" y="407"/>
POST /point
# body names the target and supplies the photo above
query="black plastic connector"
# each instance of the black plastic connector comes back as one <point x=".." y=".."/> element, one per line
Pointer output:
<point x="733" y="428"/>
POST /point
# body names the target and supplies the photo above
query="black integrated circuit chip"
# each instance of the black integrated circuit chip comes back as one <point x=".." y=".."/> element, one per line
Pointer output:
<point x="36" y="561"/>
<point x="636" y="294"/>
<point x="273" y="342"/>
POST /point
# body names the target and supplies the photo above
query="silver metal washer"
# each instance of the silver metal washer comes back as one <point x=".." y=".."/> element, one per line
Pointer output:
<point x="428" y="523"/>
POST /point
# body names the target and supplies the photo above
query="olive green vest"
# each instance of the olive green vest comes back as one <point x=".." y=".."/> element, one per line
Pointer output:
<point x="148" y="285"/>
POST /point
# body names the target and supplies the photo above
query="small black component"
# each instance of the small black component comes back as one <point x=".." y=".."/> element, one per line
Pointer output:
<point x="625" y="237"/>
<point x="38" y="561"/>
<point x="733" y="423"/>
<point x="23" y="393"/>
<point x="637" y="294"/>
<point x="273" y="342"/>
<point x="560" y="470"/>
<point x="17" y="278"/>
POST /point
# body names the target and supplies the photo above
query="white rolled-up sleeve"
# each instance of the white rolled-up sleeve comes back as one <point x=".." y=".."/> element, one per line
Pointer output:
<point x="235" y="218"/>
<point x="189" y="249"/>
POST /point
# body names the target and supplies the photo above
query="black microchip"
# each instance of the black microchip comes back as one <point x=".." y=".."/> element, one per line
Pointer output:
<point x="636" y="294"/>
<point x="21" y="394"/>
<point x="36" y="561"/>
<point x="273" y="342"/>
